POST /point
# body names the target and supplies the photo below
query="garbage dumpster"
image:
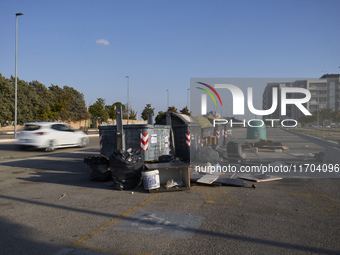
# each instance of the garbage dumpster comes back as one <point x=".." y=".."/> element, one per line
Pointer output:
<point x="152" y="140"/>
<point x="186" y="132"/>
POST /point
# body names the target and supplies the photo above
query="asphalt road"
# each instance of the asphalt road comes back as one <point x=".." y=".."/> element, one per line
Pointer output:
<point x="48" y="205"/>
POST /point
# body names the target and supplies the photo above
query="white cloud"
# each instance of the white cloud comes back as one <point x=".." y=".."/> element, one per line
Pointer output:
<point x="102" y="41"/>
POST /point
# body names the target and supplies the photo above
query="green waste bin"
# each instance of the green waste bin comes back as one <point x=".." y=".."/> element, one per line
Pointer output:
<point x="256" y="130"/>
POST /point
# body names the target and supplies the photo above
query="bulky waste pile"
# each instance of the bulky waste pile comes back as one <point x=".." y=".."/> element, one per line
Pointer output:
<point x="124" y="168"/>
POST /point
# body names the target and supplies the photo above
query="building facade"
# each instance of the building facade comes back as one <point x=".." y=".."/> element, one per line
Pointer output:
<point x="325" y="93"/>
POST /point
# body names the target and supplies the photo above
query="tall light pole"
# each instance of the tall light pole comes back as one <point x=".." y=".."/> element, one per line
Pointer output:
<point x="188" y="100"/>
<point x="167" y="99"/>
<point x="127" y="99"/>
<point x="16" y="88"/>
<point x="317" y="110"/>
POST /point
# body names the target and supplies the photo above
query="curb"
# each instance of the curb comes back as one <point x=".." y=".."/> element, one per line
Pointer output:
<point x="8" y="140"/>
<point x="13" y="140"/>
<point x="7" y="133"/>
<point x="328" y="142"/>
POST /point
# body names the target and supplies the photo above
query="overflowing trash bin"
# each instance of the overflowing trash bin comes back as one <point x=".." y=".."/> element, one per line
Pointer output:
<point x="152" y="140"/>
<point x="185" y="134"/>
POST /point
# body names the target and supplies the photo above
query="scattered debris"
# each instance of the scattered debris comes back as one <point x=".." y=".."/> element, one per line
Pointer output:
<point x="303" y="155"/>
<point x="100" y="168"/>
<point x="168" y="158"/>
<point x="235" y="152"/>
<point x="230" y="182"/>
<point x="207" y="179"/>
<point x="268" y="144"/>
<point x="173" y="176"/>
<point x="261" y="178"/>
<point x="62" y="196"/>
<point x="215" y="180"/>
<point x="207" y="154"/>
<point x="173" y="183"/>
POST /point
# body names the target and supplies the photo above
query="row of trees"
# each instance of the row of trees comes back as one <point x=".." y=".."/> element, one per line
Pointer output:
<point x="38" y="103"/>
<point x="104" y="112"/>
<point x="325" y="114"/>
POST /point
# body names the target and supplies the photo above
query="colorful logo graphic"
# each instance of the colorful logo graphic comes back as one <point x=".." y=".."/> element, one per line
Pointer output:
<point x="209" y="93"/>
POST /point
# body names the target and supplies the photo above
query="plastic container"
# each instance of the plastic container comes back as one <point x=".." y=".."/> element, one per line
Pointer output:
<point x="256" y="132"/>
<point x="151" y="179"/>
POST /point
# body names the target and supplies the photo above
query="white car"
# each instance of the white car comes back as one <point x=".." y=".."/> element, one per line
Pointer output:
<point x="51" y="135"/>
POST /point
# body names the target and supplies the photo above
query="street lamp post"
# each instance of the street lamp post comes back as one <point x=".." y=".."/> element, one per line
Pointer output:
<point x="167" y="99"/>
<point x="127" y="99"/>
<point x="188" y="100"/>
<point x="16" y="88"/>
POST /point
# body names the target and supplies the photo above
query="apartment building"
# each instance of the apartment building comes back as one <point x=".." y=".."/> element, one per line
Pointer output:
<point x="325" y="92"/>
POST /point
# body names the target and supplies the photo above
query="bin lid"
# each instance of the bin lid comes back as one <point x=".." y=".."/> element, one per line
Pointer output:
<point x="178" y="119"/>
<point x="203" y="121"/>
<point x="134" y="126"/>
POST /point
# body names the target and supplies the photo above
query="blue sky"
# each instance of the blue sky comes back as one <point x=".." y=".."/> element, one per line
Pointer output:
<point x="160" y="45"/>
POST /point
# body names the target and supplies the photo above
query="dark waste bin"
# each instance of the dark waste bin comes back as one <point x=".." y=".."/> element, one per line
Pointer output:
<point x="186" y="132"/>
<point x="152" y="140"/>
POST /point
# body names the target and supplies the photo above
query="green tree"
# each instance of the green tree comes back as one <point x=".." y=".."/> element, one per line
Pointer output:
<point x="308" y="119"/>
<point x="326" y="114"/>
<point x="160" y="113"/>
<point x="336" y="116"/>
<point x="6" y="100"/>
<point x="147" y="109"/>
<point x="132" y="114"/>
<point x="45" y="113"/>
<point x="42" y="102"/>
<point x="97" y="110"/>
<point x="186" y="111"/>
<point x="112" y="110"/>
<point x="60" y="102"/>
<point x="38" y="103"/>
<point x="27" y="101"/>
<point x="77" y="107"/>
<point x="172" y="109"/>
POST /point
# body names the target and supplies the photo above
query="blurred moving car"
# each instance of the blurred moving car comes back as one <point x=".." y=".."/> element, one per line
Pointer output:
<point x="51" y="135"/>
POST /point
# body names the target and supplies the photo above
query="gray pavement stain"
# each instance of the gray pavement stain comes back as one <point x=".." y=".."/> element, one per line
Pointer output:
<point x="162" y="224"/>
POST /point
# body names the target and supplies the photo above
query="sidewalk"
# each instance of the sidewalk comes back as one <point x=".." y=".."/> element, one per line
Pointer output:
<point x="7" y="137"/>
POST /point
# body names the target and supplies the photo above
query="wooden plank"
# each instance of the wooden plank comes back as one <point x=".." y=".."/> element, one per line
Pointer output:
<point x="260" y="178"/>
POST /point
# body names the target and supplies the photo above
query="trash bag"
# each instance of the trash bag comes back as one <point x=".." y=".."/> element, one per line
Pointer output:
<point x="100" y="169"/>
<point x="222" y="151"/>
<point x="207" y="154"/>
<point x="126" y="169"/>
<point x="168" y="158"/>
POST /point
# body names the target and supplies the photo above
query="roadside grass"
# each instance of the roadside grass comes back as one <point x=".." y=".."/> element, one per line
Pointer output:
<point x="331" y="134"/>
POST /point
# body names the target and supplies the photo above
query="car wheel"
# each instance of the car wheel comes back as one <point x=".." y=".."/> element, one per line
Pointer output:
<point x="21" y="147"/>
<point x="83" y="142"/>
<point x="50" y="146"/>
